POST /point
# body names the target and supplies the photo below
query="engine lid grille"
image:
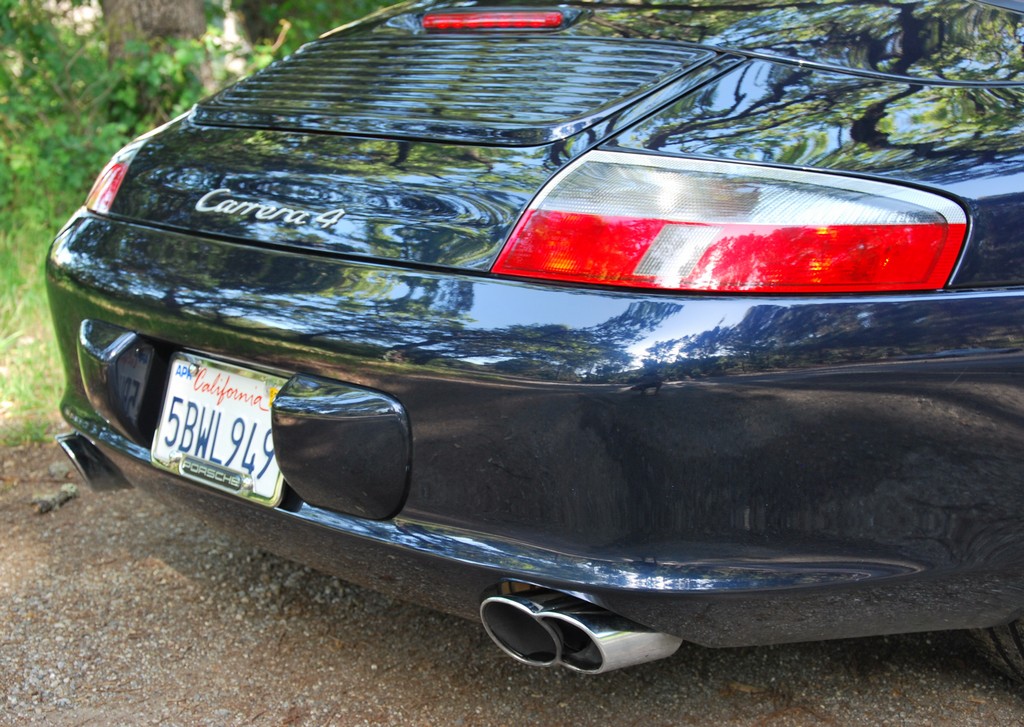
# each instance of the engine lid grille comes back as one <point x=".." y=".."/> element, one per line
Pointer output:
<point x="517" y="89"/>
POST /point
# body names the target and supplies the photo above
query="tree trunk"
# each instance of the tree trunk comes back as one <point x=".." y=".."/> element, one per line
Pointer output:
<point x="147" y="20"/>
<point x="254" y="19"/>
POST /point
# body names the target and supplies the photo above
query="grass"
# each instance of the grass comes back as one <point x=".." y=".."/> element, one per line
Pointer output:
<point x="31" y="377"/>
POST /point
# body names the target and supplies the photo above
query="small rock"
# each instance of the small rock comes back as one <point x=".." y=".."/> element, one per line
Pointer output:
<point x="46" y="503"/>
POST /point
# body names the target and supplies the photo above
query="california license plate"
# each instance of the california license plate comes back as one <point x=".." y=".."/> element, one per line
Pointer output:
<point x="215" y="428"/>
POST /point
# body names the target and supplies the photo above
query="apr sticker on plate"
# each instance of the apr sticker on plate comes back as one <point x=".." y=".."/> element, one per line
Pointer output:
<point x="215" y="428"/>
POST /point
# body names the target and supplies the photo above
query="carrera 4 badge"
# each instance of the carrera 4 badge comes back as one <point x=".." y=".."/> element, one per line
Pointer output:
<point x="220" y="201"/>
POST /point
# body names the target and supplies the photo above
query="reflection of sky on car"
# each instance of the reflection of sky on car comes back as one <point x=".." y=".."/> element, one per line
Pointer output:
<point x="694" y="320"/>
<point x="491" y="310"/>
<point x="993" y="186"/>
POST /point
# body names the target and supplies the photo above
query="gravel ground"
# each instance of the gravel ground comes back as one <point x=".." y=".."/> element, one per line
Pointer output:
<point x="117" y="610"/>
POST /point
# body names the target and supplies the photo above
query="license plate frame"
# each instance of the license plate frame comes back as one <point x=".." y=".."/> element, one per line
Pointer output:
<point x="215" y="428"/>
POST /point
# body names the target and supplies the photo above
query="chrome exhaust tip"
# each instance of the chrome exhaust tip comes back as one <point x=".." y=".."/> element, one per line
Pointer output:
<point x="94" y="467"/>
<point x="595" y="641"/>
<point x="544" y="628"/>
<point x="512" y="623"/>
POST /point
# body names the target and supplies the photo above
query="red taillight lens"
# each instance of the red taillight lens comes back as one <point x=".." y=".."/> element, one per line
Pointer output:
<point x="103" y="191"/>
<point x="659" y="222"/>
<point x="494" y="20"/>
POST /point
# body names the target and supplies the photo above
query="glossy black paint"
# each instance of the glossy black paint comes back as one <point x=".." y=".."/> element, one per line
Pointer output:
<point x="342" y="447"/>
<point x="421" y="202"/>
<point x="730" y="469"/>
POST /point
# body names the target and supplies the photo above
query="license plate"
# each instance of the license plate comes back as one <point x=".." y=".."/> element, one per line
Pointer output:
<point x="215" y="428"/>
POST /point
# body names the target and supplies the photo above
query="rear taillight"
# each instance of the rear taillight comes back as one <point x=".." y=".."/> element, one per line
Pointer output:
<point x="104" y="189"/>
<point x="494" y="20"/>
<point x="635" y="220"/>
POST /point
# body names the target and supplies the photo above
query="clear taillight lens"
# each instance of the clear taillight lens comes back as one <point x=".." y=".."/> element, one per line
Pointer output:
<point x="635" y="220"/>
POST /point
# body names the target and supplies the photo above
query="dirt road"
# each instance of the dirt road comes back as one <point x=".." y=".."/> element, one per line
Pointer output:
<point x="116" y="610"/>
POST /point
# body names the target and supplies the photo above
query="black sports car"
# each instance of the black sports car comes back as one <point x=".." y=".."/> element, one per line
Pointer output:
<point x="611" y="324"/>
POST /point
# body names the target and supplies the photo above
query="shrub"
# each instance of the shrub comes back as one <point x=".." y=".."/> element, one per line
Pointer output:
<point x="64" y="109"/>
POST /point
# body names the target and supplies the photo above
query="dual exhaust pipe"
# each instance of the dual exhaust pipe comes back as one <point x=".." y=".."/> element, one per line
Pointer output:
<point x="545" y="628"/>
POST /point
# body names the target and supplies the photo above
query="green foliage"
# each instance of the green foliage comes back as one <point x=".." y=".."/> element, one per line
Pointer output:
<point x="54" y="127"/>
<point x="55" y="132"/>
<point x="287" y="24"/>
<point x="156" y="82"/>
<point x="30" y="376"/>
<point x="65" y="108"/>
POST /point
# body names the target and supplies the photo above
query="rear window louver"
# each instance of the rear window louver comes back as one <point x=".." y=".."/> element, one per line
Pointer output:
<point x="517" y="89"/>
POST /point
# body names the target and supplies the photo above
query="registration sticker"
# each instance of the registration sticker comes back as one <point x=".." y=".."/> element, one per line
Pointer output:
<point x="215" y="428"/>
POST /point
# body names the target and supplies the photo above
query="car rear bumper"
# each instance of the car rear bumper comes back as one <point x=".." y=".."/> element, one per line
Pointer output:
<point x="728" y="470"/>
